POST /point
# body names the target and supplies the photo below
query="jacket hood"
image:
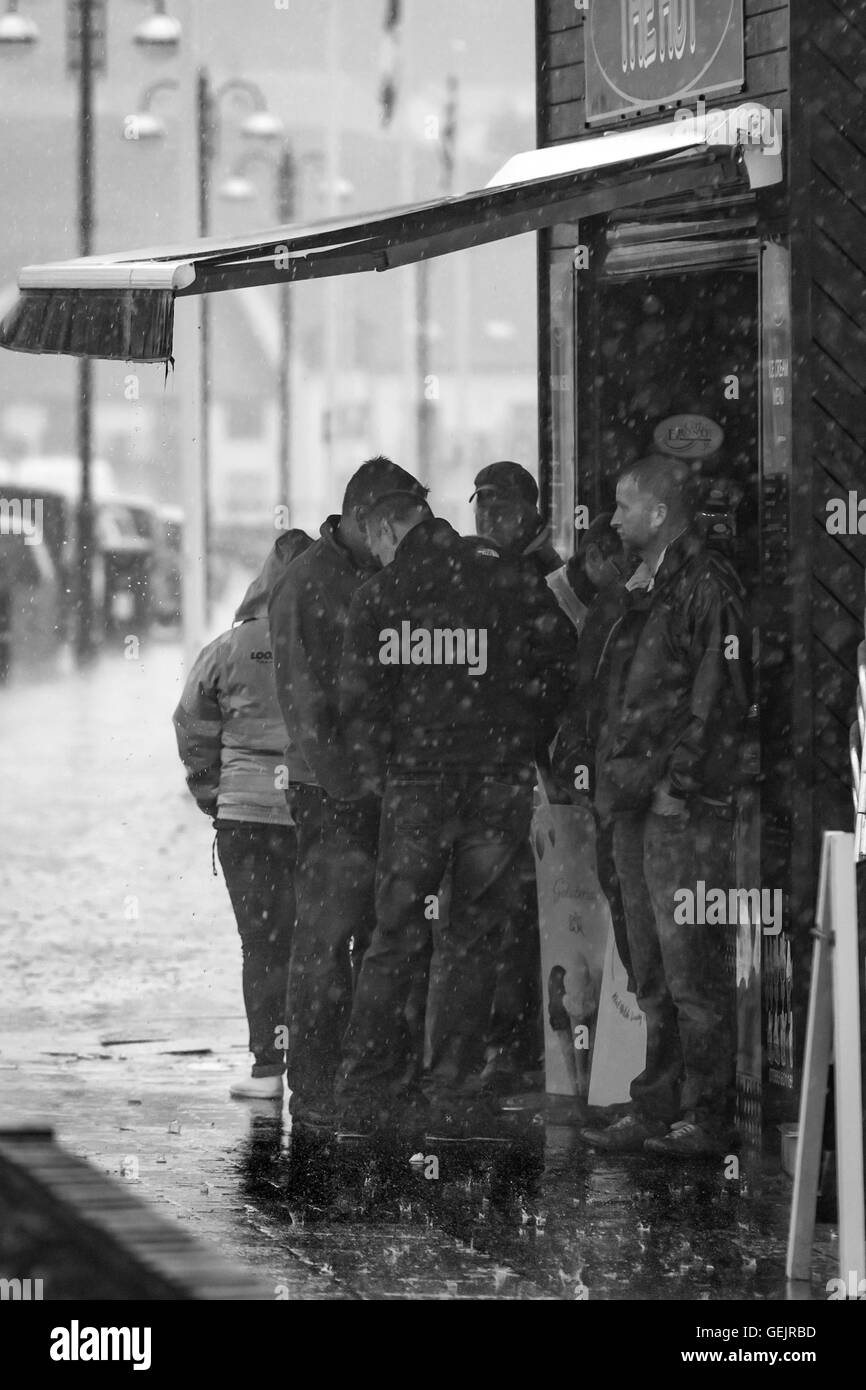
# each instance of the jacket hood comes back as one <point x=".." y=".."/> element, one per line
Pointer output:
<point x="328" y="532"/>
<point x="285" y="549"/>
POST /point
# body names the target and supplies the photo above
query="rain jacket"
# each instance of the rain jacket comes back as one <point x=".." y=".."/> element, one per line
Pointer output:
<point x="308" y="612"/>
<point x="413" y="715"/>
<point x="574" y="744"/>
<point x="540" y="553"/>
<point x="674" y="682"/>
<point x="230" y="732"/>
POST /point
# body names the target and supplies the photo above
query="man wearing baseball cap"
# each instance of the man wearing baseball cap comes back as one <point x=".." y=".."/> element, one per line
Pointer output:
<point x="337" y="825"/>
<point x="506" y="511"/>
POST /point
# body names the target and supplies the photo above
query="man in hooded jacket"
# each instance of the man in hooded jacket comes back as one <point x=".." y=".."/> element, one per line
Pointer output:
<point x="231" y="740"/>
<point x="673" y="679"/>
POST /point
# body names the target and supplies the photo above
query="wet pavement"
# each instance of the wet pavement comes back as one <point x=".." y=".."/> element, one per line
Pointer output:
<point x="123" y="1028"/>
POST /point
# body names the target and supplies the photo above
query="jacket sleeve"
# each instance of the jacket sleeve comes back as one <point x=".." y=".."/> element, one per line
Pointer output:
<point x="366" y="694"/>
<point x="719" y="653"/>
<point x="198" y="728"/>
<point x="553" y="660"/>
<point x="305" y="684"/>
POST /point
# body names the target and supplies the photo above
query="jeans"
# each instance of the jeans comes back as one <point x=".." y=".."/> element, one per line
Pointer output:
<point x="258" y="862"/>
<point x="684" y="986"/>
<point x="515" y="1020"/>
<point x="337" y="846"/>
<point x="479" y="825"/>
<point x="609" y="882"/>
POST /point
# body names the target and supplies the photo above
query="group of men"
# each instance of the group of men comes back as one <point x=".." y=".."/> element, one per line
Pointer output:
<point x="426" y="680"/>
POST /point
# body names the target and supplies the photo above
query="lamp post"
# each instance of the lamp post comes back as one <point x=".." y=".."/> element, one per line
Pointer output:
<point x="239" y="188"/>
<point x="86" y="529"/>
<point x="285" y="213"/>
<point x="86" y="22"/>
<point x="259" y="124"/>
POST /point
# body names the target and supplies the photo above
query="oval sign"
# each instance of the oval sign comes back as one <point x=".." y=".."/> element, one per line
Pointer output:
<point x="688" y="436"/>
<point x="655" y="51"/>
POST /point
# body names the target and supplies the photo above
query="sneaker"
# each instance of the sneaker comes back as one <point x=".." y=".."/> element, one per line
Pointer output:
<point x="626" y="1135"/>
<point x="258" y="1088"/>
<point x="688" y="1139"/>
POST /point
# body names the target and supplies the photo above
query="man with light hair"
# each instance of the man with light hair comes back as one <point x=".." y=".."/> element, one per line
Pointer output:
<point x="667" y="748"/>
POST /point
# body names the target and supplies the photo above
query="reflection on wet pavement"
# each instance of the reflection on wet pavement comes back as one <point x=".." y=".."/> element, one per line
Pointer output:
<point x="123" y="1027"/>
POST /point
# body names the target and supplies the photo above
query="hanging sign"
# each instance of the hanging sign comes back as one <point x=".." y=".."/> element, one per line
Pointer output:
<point x="642" y="54"/>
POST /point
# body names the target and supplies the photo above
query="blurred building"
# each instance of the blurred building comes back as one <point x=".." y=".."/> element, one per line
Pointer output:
<point x="353" y="372"/>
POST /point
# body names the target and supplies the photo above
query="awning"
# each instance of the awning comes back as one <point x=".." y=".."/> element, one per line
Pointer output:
<point x="121" y="306"/>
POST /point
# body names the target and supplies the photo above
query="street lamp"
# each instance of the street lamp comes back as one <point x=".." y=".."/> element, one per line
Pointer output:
<point x="237" y="187"/>
<point x="17" y="28"/>
<point x="144" y="124"/>
<point x="159" y="31"/>
<point x="259" y="124"/>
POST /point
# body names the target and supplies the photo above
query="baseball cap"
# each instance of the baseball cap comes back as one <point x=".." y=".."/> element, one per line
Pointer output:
<point x="507" y="480"/>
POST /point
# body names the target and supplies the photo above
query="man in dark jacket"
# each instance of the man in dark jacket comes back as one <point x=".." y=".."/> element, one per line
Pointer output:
<point x="506" y="510"/>
<point x="667" y="752"/>
<point x="455" y="667"/>
<point x="597" y="573"/>
<point x="337" y="825"/>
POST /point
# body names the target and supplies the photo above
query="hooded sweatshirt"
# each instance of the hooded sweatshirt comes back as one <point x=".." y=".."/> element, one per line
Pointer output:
<point x="309" y="610"/>
<point x="230" y="732"/>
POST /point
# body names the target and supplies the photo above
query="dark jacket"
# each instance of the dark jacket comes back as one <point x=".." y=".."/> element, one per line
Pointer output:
<point x="674" y="675"/>
<point x="440" y="715"/>
<point x="308" y="613"/>
<point x="230" y="732"/>
<point x="575" y="742"/>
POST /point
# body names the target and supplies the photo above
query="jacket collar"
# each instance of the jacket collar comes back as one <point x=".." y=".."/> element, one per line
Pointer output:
<point x="434" y="530"/>
<point x="328" y="532"/>
<point x="675" y="554"/>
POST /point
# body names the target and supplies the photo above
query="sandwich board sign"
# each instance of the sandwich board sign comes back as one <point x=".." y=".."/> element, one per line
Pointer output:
<point x="833" y="1030"/>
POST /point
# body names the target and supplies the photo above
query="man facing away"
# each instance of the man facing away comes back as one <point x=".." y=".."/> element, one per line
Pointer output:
<point x="666" y="760"/>
<point x="454" y="667"/>
<point x="337" y="826"/>
<point x="231" y="740"/>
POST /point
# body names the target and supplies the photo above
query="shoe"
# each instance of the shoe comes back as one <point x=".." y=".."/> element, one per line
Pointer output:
<point x="687" y="1139"/>
<point x="312" y="1116"/>
<point x="258" y="1088"/>
<point x="500" y="1075"/>
<point x="364" y="1118"/>
<point x="626" y="1135"/>
<point x="411" y="1115"/>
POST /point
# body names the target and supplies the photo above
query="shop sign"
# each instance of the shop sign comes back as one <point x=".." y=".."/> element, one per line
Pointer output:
<point x="643" y="54"/>
<point x="688" y="436"/>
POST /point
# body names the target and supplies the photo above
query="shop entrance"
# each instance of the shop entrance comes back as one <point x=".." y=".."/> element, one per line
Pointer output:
<point x="681" y="346"/>
<point x="675" y="340"/>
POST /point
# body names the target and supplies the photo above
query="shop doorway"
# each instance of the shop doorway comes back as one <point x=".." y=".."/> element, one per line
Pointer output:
<point x="682" y="345"/>
<point x="671" y="349"/>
